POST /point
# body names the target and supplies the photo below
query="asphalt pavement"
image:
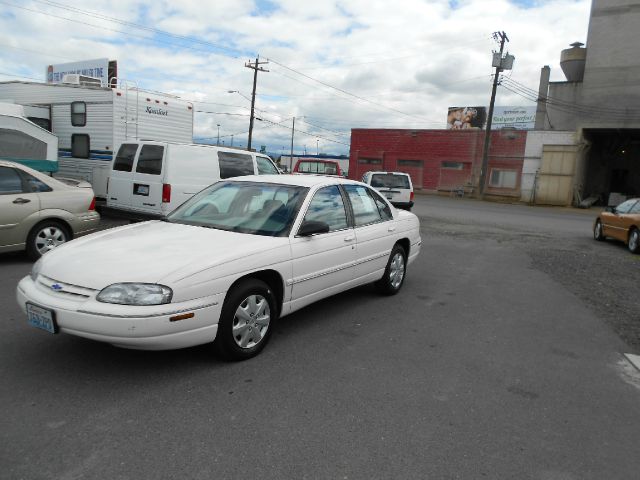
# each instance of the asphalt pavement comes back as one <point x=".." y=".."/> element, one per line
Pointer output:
<point x="486" y="365"/>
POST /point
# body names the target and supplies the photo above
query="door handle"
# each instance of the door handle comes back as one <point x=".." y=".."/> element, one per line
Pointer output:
<point x="348" y="239"/>
<point x="391" y="229"/>
<point x="21" y="200"/>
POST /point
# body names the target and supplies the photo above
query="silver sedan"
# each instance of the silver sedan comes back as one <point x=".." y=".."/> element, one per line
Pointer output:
<point x="38" y="213"/>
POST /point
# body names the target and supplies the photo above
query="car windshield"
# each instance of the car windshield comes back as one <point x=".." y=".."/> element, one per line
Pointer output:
<point x="389" y="180"/>
<point x="247" y="207"/>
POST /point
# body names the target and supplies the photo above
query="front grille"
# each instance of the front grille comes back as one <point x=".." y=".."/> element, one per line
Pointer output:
<point x="56" y="287"/>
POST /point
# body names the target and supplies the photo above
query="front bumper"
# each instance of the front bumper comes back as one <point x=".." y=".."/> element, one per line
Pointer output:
<point x="77" y="312"/>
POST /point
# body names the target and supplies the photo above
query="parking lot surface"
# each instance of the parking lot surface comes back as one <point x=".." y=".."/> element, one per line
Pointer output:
<point x="500" y="358"/>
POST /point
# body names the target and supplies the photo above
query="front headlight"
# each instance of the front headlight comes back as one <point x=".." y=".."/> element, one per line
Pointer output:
<point x="35" y="270"/>
<point x="135" y="294"/>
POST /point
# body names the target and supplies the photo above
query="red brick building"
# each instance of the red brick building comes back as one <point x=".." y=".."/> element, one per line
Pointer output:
<point x="441" y="160"/>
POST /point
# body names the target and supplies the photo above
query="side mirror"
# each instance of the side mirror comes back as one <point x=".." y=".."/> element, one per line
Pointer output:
<point x="311" y="227"/>
<point x="610" y="209"/>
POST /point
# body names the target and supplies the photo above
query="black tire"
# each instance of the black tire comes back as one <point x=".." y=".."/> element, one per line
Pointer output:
<point x="389" y="284"/>
<point x="634" y="241"/>
<point x="45" y="236"/>
<point x="232" y="332"/>
<point x="597" y="231"/>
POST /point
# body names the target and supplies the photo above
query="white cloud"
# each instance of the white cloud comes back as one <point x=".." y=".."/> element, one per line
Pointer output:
<point x="415" y="56"/>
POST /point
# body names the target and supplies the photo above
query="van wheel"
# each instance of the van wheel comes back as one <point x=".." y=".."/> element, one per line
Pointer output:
<point x="46" y="236"/>
<point x="247" y="319"/>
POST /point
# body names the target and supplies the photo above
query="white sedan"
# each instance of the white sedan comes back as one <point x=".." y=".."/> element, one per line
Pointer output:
<point x="223" y="266"/>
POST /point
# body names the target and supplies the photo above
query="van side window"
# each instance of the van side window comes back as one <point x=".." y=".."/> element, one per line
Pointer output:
<point x="124" y="157"/>
<point x="150" y="159"/>
<point x="265" y="167"/>
<point x="80" y="145"/>
<point x="235" y="164"/>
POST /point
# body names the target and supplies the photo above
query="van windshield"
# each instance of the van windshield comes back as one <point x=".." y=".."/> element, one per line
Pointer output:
<point x="247" y="207"/>
<point x="389" y="180"/>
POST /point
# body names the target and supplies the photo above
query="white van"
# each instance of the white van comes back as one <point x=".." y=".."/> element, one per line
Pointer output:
<point x="396" y="186"/>
<point x="149" y="179"/>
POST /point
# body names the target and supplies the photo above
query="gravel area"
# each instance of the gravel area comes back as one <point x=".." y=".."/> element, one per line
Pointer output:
<point x="605" y="275"/>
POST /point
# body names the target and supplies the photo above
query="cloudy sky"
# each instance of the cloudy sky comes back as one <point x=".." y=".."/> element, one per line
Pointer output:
<point x="334" y="65"/>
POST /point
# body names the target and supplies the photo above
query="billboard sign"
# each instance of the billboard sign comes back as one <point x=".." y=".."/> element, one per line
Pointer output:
<point x="98" y="68"/>
<point x="462" y="118"/>
<point x="522" y="118"/>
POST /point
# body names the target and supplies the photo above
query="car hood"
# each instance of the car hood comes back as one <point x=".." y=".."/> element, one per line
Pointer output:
<point x="149" y="252"/>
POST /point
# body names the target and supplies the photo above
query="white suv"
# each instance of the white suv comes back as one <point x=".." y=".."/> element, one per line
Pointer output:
<point x="395" y="186"/>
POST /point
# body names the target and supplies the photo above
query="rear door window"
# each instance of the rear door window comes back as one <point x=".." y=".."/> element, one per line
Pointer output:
<point x="124" y="157"/>
<point x="150" y="160"/>
<point x="235" y="164"/>
<point x="365" y="210"/>
<point x="10" y="182"/>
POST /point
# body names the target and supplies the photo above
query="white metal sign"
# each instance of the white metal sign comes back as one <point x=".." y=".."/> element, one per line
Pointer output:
<point x="98" y="68"/>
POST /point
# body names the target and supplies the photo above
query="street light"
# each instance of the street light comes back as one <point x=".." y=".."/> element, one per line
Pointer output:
<point x="232" y="139"/>
<point x="317" y="143"/>
<point x="218" y="142"/>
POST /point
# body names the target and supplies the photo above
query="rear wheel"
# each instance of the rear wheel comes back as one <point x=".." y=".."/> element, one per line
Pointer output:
<point x="597" y="231"/>
<point x="247" y="319"/>
<point x="634" y="241"/>
<point x="46" y="236"/>
<point x="393" y="278"/>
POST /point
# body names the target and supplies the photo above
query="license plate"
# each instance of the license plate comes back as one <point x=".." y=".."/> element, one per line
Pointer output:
<point x="141" y="190"/>
<point x="41" y="318"/>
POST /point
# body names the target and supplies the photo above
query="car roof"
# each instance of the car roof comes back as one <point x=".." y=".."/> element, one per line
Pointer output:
<point x="373" y="172"/>
<point x="297" y="180"/>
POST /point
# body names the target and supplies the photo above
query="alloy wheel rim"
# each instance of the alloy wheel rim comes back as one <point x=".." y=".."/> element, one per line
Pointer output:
<point x="396" y="272"/>
<point x="598" y="230"/>
<point x="251" y="321"/>
<point x="49" y="238"/>
<point x="633" y="241"/>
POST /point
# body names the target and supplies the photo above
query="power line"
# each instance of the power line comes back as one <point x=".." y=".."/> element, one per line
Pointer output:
<point x="344" y="91"/>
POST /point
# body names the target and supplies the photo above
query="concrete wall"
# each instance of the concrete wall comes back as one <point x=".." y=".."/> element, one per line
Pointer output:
<point x="612" y="71"/>
<point x="536" y="139"/>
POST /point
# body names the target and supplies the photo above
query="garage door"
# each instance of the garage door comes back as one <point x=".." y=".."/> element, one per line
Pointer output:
<point x="556" y="176"/>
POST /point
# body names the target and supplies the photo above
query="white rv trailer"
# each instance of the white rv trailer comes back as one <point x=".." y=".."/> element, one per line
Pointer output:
<point x="92" y="121"/>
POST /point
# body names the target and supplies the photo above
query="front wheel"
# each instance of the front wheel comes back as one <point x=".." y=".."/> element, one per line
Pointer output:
<point x="634" y="241"/>
<point x="46" y="236"/>
<point x="247" y="319"/>
<point x="597" y="231"/>
<point x="393" y="278"/>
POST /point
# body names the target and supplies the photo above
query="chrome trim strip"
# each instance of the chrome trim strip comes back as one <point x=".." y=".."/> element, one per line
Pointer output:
<point x="337" y="269"/>
<point x="149" y="316"/>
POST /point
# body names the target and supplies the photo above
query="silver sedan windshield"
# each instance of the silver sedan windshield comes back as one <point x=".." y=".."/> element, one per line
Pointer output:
<point x="247" y="207"/>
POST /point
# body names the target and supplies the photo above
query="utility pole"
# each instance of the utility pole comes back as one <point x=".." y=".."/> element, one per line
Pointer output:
<point x="255" y="67"/>
<point x="293" y="130"/>
<point x="500" y="66"/>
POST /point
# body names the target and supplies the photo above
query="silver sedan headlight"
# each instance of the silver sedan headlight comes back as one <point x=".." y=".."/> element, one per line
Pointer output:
<point x="135" y="294"/>
<point x="35" y="270"/>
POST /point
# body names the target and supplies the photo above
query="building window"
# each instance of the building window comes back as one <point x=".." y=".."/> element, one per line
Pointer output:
<point x="453" y="165"/>
<point x="370" y="161"/>
<point x="410" y="163"/>
<point x="80" y="145"/>
<point x="78" y="114"/>
<point x="503" y="178"/>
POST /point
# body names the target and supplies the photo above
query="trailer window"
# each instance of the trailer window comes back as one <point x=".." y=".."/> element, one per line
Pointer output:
<point x="235" y="164"/>
<point x="80" y="145"/>
<point x="78" y="114"/>
<point x="150" y="159"/>
<point x="124" y="157"/>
